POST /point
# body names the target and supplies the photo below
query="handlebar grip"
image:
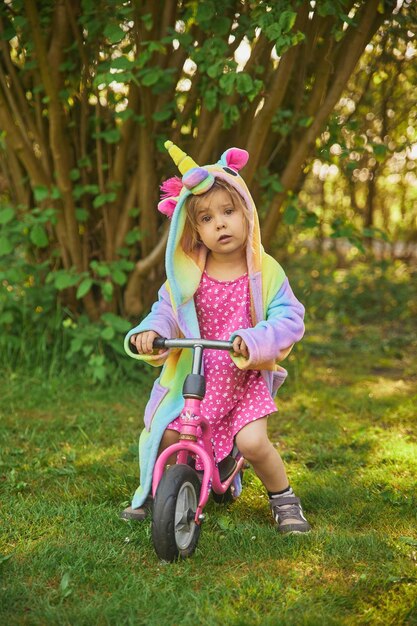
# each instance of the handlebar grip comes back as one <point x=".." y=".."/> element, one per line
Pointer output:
<point x="159" y="342"/>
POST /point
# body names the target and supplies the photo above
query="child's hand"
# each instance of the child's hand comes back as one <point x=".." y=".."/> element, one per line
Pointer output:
<point x="240" y="347"/>
<point x="144" y="342"/>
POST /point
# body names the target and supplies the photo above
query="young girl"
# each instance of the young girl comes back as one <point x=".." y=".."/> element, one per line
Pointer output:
<point x="220" y="285"/>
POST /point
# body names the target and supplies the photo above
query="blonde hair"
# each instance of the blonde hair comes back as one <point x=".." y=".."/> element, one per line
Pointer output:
<point x="190" y="238"/>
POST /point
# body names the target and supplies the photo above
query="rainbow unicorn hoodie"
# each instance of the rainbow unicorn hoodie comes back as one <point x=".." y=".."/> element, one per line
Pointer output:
<point x="277" y="315"/>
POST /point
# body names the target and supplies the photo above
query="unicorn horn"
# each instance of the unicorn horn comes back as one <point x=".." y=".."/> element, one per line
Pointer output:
<point x="180" y="158"/>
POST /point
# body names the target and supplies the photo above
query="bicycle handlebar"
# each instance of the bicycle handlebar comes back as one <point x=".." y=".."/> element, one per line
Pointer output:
<point x="213" y="344"/>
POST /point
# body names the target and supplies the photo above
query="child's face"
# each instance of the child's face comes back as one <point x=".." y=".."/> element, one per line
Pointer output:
<point x="221" y="225"/>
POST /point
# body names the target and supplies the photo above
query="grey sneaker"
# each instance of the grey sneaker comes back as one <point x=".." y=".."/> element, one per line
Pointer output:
<point x="140" y="513"/>
<point x="288" y="515"/>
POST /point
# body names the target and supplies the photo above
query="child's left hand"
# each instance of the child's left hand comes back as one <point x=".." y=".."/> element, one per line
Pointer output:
<point x="240" y="347"/>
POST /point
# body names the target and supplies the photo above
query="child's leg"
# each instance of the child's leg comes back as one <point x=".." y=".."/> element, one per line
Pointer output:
<point x="254" y="444"/>
<point x="168" y="439"/>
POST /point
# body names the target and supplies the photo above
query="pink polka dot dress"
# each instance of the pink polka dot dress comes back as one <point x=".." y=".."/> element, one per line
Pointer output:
<point x="234" y="397"/>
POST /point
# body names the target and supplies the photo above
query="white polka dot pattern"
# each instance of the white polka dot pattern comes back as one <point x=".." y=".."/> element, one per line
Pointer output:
<point x="234" y="397"/>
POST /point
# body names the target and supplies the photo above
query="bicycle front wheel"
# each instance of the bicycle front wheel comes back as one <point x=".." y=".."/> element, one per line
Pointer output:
<point x="174" y="531"/>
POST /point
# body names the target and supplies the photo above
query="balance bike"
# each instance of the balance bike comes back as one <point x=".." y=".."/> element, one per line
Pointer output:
<point x="180" y="492"/>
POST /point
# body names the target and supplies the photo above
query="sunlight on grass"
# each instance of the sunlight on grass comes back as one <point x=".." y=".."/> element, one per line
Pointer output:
<point x="386" y="387"/>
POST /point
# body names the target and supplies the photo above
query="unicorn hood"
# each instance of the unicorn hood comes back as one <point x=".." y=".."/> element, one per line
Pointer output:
<point x="198" y="180"/>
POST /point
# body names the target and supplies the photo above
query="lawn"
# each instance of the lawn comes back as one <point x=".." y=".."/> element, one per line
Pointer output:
<point x="346" y="428"/>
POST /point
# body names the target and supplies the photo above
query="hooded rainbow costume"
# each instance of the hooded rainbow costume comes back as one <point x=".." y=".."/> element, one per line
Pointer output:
<point x="277" y="315"/>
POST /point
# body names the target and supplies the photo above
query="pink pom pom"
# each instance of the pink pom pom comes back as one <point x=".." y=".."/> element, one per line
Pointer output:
<point x="171" y="187"/>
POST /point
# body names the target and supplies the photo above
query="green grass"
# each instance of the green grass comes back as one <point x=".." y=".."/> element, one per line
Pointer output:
<point x="346" y="428"/>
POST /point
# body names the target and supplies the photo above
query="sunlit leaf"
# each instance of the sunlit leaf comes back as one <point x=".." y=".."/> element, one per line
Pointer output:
<point x="114" y="33"/>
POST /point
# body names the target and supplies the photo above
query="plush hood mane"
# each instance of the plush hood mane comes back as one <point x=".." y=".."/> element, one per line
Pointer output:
<point x="184" y="269"/>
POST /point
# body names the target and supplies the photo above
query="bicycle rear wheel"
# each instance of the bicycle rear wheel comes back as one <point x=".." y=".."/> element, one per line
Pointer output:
<point x="174" y="531"/>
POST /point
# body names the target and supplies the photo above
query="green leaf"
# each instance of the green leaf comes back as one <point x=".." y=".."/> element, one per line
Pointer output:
<point x="225" y="523"/>
<point x="55" y="193"/>
<point x="231" y="114"/>
<point x="310" y="220"/>
<point x="162" y="115"/>
<point x="64" y="587"/>
<point x="76" y="345"/>
<point x="119" y="277"/>
<point x="380" y="151"/>
<point x="40" y="193"/>
<point x="108" y="333"/>
<point x="214" y="70"/>
<point x="150" y="78"/>
<point x="210" y="99"/>
<point x="112" y="135"/>
<point x="133" y="236"/>
<point x="205" y="11"/>
<point x="38" y="236"/>
<point x="221" y="26"/>
<point x="84" y="162"/>
<point x="100" y="268"/>
<point x="113" y="33"/>
<point x="305" y="122"/>
<point x="287" y="20"/>
<point x="84" y="288"/>
<point x="119" y="324"/>
<point x="244" y="83"/>
<point x="276" y="185"/>
<point x="107" y="289"/>
<point x="80" y="190"/>
<point x="8" y="33"/>
<point x="147" y="20"/>
<point x="81" y="215"/>
<point x="7" y="318"/>
<point x="6" y="215"/>
<point x="273" y="31"/>
<point x="121" y="63"/>
<point x="156" y="46"/>
<point x="64" y="280"/>
<point x="103" y="198"/>
<point x="227" y="82"/>
<point x="6" y="245"/>
<point x="290" y="215"/>
<point x="124" y="115"/>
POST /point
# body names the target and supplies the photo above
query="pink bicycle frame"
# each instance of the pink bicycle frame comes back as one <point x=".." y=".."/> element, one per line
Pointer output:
<point x="195" y="425"/>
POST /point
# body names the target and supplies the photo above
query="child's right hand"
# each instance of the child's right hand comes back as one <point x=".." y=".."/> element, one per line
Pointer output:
<point x="144" y="342"/>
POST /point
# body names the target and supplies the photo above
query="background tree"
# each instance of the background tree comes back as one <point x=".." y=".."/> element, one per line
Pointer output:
<point x="362" y="177"/>
<point x="89" y="91"/>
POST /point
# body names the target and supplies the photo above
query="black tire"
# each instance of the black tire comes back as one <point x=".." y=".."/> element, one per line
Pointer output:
<point x="174" y="531"/>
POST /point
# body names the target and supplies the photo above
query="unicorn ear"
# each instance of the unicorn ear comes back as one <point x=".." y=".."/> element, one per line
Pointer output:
<point x="167" y="206"/>
<point x="236" y="158"/>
